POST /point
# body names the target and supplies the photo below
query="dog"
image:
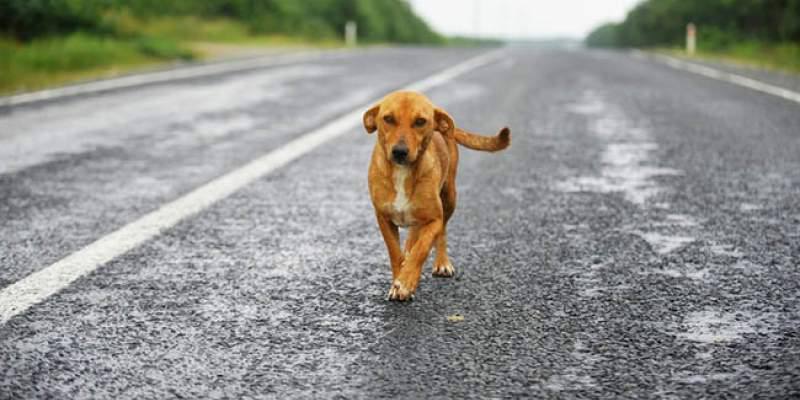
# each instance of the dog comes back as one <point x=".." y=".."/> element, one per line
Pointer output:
<point x="412" y="181"/>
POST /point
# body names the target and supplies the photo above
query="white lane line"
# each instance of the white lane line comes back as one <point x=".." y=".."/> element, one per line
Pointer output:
<point x="722" y="76"/>
<point x="42" y="284"/>
<point x="178" y="73"/>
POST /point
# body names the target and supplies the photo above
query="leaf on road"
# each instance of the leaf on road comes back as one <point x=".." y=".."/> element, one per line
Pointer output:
<point x="455" y="318"/>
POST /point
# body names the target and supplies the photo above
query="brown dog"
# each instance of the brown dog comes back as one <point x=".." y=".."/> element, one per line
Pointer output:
<point x="412" y="181"/>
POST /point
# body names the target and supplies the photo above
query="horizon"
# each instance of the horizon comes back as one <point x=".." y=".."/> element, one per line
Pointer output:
<point x="520" y="19"/>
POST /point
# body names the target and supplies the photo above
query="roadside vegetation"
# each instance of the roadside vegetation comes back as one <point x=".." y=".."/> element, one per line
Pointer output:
<point x="55" y="41"/>
<point x="754" y="32"/>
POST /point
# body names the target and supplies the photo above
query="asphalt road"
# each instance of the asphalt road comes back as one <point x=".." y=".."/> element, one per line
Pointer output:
<point x="640" y="239"/>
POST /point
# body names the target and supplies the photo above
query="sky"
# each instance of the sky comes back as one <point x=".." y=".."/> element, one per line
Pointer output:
<point x="520" y="18"/>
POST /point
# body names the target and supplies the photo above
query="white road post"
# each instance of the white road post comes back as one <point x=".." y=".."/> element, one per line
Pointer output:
<point x="350" y="33"/>
<point x="691" y="39"/>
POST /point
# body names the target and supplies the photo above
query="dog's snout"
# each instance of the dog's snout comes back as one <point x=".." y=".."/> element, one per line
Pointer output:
<point x="400" y="152"/>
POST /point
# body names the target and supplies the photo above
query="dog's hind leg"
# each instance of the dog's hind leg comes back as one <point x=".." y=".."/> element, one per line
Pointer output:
<point x="442" y="267"/>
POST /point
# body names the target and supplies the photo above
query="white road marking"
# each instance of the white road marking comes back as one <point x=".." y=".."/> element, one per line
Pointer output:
<point x="38" y="286"/>
<point x="722" y="76"/>
<point x="160" y="77"/>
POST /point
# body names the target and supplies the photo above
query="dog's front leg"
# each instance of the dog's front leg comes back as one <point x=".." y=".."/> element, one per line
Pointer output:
<point x="406" y="283"/>
<point x="391" y="236"/>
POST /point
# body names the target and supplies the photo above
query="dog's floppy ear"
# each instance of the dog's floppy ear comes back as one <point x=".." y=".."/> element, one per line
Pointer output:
<point x="371" y="119"/>
<point x="444" y="123"/>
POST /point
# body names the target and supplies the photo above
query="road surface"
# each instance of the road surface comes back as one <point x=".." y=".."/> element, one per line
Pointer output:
<point x="640" y="238"/>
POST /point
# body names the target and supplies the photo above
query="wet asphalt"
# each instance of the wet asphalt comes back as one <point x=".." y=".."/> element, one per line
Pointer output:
<point x="640" y="239"/>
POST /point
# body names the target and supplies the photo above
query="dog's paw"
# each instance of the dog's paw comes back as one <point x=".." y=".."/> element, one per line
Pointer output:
<point x="444" y="270"/>
<point x="399" y="292"/>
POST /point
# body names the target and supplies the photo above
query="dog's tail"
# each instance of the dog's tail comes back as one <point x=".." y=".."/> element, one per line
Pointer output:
<point x="484" y="143"/>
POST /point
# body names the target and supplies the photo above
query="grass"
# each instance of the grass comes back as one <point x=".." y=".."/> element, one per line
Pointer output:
<point x="784" y="57"/>
<point x="46" y="62"/>
<point x="131" y="44"/>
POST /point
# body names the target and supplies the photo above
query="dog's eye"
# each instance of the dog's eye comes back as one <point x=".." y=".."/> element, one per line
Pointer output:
<point x="420" y="122"/>
<point x="388" y="119"/>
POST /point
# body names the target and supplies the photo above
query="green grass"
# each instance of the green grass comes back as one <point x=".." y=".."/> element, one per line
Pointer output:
<point x="178" y="28"/>
<point x="130" y="44"/>
<point x="46" y="62"/>
<point x="783" y="57"/>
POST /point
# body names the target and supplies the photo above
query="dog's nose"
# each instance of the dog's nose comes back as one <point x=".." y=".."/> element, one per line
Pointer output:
<point x="400" y="152"/>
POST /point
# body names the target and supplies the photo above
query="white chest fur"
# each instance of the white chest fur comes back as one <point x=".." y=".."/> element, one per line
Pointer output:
<point x="401" y="207"/>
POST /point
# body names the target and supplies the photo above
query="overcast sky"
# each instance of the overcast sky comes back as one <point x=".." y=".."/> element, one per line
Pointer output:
<point x="520" y="18"/>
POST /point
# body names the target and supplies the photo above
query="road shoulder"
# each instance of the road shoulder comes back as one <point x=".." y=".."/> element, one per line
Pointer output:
<point x="168" y="73"/>
<point x="770" y="76"/>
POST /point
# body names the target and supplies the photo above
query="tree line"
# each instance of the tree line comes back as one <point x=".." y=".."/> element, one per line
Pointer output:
<point x="378" y="20"/>
<point x="720" y="23"/>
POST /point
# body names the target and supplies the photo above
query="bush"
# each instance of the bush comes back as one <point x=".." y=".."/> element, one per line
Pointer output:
<point x="604" y="36"/>
<point x="720" y="23"/>
<point x="379" y="20"/>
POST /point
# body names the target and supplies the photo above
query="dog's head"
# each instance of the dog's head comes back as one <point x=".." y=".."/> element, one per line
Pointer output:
<point x="405" y="122"/>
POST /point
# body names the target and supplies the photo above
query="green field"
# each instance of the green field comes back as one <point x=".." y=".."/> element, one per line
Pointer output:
<point x="45" y="43"/>
<point x="45" y="62"/>
<point x="59" y="59"/>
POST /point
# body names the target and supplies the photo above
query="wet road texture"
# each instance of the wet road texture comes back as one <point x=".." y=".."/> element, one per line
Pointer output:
<point x="640" y="238"/>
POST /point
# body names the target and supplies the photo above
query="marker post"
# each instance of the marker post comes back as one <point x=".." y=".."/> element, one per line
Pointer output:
<point x="691" y="39"/>
<point x="350" y="34"/>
